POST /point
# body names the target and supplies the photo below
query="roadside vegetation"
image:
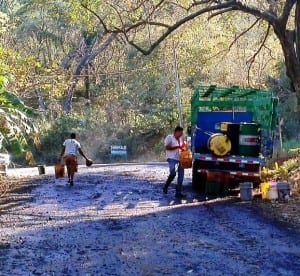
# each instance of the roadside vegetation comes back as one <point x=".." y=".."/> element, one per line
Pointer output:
<point x="71" y="69"/>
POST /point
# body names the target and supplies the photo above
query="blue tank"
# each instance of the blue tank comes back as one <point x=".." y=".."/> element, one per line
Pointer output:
<point x="208" y="122"/>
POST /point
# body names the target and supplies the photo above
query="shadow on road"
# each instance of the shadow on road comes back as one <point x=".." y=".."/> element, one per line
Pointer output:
<point x="120" y="223"/>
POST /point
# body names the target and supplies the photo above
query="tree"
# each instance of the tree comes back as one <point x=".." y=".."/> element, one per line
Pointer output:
<point x="86" y="56"/>
<point x="16" y="127"/>
<point x="159" y="19"/>
<point x="32" y="47"/>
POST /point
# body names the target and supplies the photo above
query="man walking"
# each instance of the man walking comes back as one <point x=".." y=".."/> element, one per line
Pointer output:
<point x="174" y="144"/>
<point x="69" y="152"/>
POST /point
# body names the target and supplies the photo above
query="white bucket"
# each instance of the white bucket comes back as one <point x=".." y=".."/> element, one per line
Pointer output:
<point x="283" y="189"/>
<point x="272" y="191"/>
<point x="246" y="191"/>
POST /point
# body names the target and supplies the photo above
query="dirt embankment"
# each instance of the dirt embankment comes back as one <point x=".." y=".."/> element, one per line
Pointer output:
<point x="287" y="212"/>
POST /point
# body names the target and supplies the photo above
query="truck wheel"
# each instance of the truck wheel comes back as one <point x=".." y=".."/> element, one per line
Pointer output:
<point x="256" y="182"/>
<point x="198" y="179"/>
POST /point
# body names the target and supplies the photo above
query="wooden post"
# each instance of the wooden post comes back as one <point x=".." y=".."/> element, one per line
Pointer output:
<point x="178" y="88"/>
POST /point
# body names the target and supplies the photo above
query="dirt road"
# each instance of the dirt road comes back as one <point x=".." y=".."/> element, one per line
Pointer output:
<point x="116" y="221"/>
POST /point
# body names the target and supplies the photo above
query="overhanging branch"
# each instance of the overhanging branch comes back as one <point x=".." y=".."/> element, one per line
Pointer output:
<point x="252" y="59"/>
<point x="243" y="33"/>
<point x="220" y="12"/>
<point x="97" y="16"/>
<point x="266" y="15"/>
<point x="220" y="8"/>
<point x="179" y="23"/>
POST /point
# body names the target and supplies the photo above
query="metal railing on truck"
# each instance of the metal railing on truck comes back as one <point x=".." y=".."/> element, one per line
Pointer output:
<point x="261" y="103"/>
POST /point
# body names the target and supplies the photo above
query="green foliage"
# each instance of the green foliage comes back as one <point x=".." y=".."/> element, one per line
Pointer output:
<point x="96" y="137"/>
<point x="133" y="99"/>
<point x="16" y="127"/>
<point x="53" y="134"/>
<point x="287" y="107"/>
<point x="291" y="144"/>
<point x="129" y="110"/>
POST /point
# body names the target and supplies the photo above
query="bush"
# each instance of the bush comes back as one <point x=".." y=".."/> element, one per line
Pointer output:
<point x="53" y="132"/>
<point x="96" y="136"/>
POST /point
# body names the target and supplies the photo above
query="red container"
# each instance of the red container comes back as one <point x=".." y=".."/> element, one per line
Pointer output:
<point x="216" y="181"/>
<point x="59" y="170"/>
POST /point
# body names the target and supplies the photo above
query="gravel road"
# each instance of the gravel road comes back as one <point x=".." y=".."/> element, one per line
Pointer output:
<point x="116" y="221"/>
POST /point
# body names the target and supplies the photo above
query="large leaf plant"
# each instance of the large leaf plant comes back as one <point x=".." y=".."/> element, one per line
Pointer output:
<point x="16" y="127"/>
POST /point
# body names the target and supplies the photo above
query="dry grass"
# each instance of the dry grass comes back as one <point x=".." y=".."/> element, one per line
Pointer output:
<point x="284" y="212"/>
<point x="288" y="211"/>
<point x="6" y="184"/>
<point x="294" y="180"/>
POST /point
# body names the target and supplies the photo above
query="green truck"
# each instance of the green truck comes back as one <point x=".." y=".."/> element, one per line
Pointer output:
<point x="232" y="135"/>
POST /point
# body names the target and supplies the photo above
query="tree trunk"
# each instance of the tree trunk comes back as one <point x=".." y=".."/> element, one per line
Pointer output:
<point x="297" y="43"/>
<point x="297" y="29"/>
<point x="287" y="41"/>
<point x="41" y="102"/>
<point x="68" y="100"/>
<point x="82" y="63"/>
<point x="87" y="82"/>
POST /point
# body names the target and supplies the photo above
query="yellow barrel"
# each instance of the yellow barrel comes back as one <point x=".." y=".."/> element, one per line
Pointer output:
<point x="264" y="188"/>
<point x="219" y="144"/>
<point x="185" y="159"/>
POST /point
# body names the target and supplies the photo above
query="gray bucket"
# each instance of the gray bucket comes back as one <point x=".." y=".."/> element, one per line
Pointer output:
<point x="2" y="170"/>
<point x="246" y="191"/>
<point x="41" y="169"/>
<point x="283" y="189"/>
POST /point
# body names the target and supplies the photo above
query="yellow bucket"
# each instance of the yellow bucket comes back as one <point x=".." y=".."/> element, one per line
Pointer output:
<point x="186" y="159"/>
<point x="264" y="188"/>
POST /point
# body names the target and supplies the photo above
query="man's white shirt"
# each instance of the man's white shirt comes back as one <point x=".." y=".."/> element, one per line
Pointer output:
<point x="72" y="146"/>
<point x="170" y="140"/>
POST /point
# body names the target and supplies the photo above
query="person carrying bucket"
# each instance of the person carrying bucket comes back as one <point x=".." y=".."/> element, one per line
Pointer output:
<point x="174" y="144"/>
<point x="69" y="152"/>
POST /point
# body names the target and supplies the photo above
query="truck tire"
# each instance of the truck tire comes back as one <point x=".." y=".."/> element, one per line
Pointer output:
<point x="198" y="178"/>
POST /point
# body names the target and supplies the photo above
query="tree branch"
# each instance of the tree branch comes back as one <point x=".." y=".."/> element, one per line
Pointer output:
<point x="273" y="6"/>
<point x="178" y="5"/>
<point x="252" y="59"/>
<point x="102" y="47"/>
<point x="223" y="7"/>
<point x="197" y="3"/>
<point x="41" y="102"/>
<point x="141" y="23"/>
<point x="65" y="64"/>
<point x="126" y="27"/>
<point x="220" y="12"/>
<point x="84" y="61"/>
<point x="179" y="23"/>
<point x="118" y="13"/>
<point x="286" y="11"/>
<point x="156" y="7"/>
<point x="267" y="16"/>
<point x="98" y="17"/>
<point x="244" y="32"/>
